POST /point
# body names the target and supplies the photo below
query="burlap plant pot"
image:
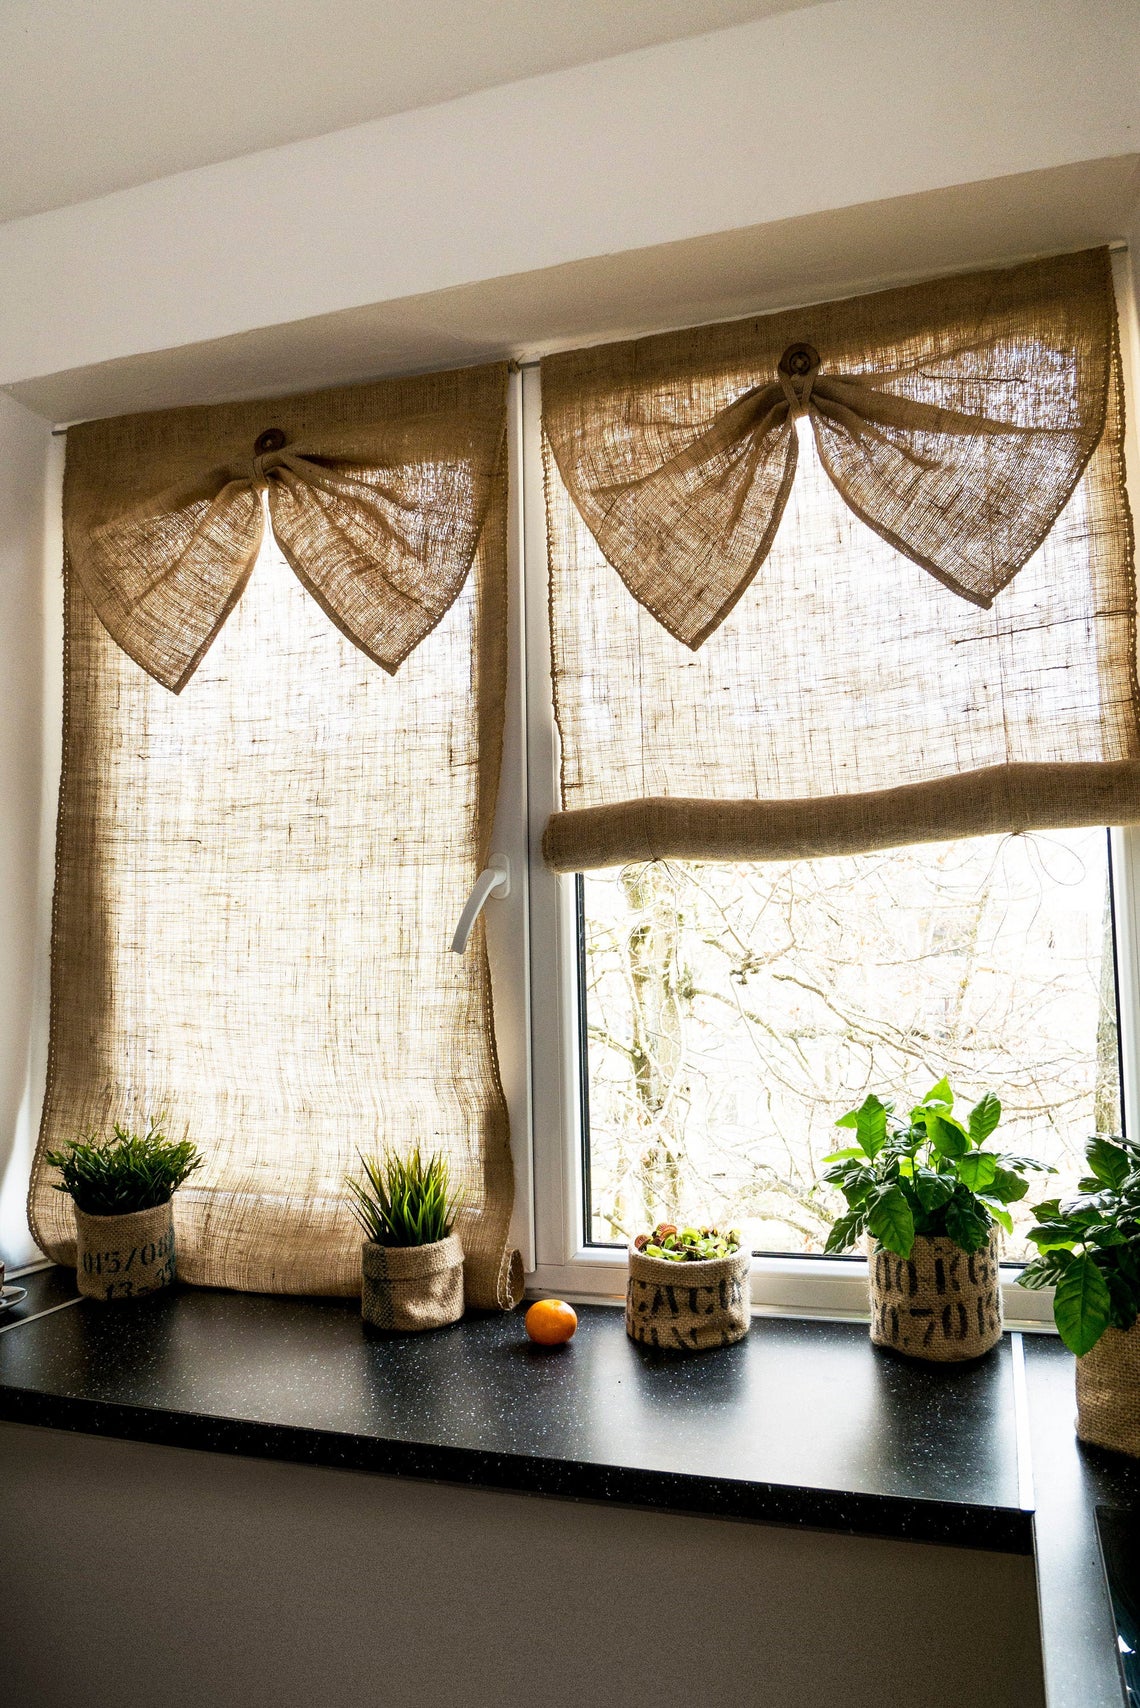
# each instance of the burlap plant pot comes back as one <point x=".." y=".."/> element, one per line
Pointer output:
<point x="1108" y="1392"/>
<point x="412" y="1287"/>
<point x="125" y="1257"/>
<point x="939" y="1303"/>
<point x="687" y="1307"/>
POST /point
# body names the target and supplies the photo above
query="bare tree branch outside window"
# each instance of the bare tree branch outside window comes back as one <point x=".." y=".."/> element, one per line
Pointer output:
<point x="734" y="1012"/>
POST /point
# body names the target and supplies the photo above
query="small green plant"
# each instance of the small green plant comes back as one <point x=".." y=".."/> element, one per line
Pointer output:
<point x="928" y="1174"/>
<point x="404" y="1201"/>
<point x="687" y="1245"/>
<point x="116" y="1177"/>
<point x="1089" y="1246"/>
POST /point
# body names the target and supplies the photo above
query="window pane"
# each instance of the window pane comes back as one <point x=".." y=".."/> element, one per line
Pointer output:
<point x="734" y="1012"/>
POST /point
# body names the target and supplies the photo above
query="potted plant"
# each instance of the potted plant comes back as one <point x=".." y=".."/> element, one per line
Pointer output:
<point x="933" y="1200"/>
<point x="123" y="1192"/>
<point x="687" y="1288"/>
<point x="1089" y="1253"/>
<point x="412" y="1262"/>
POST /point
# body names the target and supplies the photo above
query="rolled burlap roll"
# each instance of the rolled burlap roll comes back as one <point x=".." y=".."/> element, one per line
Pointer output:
<point x="939" y="1303"/>
<point x="413" y="1287"/>
<point x="687" y="1307"/>
<point x="125" y="1257"/>
<point x="1108" y="1392"/>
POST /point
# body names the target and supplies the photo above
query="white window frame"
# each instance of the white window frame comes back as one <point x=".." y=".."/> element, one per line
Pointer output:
<point x="533" y="941"/>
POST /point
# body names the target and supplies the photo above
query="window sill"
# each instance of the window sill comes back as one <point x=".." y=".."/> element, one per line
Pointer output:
<point x="802" y="1423"/>
<point x="812" y="1288"/>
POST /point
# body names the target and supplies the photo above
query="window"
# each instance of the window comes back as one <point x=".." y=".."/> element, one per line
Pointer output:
<point x="796" y="972"/>
<point x="731" y="1013"/>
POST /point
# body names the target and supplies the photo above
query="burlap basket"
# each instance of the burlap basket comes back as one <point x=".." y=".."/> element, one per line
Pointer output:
<point x="125" y="1257"/>
<point x="939" y="1303"/>
<point x="1108" y="1392"/>
<point x="412" y="1287"/>
<point x="687" y="1307"/>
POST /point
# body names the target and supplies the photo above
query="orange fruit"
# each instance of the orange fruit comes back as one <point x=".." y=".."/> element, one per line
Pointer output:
<point x="551" y="1322"/>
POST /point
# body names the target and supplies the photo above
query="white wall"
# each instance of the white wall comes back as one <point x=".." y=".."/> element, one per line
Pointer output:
<point x="24" y="451"/>
<point x="823" y="108"/>
<point x="150" y="1574"/>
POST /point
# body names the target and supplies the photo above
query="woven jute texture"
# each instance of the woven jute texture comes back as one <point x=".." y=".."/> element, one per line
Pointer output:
<point x="376" y="495"/>
<point x="687" y="1307"/>
<point x="908" y="572"/>
<point x="257" y="881"/>
<point x="1108" y="1392"/>
<point x="939" y="1303"/>
<point x="407" y="1288"/>
<point x="125" y="1257"/>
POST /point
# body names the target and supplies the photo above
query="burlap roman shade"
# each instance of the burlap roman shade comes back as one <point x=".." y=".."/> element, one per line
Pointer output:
<point x="881" y="562"/>
<point x="257" y="878"/>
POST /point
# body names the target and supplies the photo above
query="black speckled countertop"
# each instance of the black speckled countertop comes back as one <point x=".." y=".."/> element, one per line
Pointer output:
<point x="802" y="1423"/>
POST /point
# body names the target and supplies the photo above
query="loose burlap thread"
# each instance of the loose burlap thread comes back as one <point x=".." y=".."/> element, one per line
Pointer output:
<point x="940" y="1303"/>
<point x="1108" y="1392"/>
<point x="256" y="882"/>
<point x="125" y="1257"/>
<point x="409" y="1288"/>
<point x="687" y="1307"/>
<point x="930" y="631"/>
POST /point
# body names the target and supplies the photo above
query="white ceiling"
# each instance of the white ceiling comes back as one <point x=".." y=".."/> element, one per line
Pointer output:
<point x="97" y="97"/>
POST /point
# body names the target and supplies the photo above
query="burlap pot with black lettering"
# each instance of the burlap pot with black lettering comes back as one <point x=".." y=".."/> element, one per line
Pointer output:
<point x="687" y="1307"/>
<point x="124" y="1257"/>
<point x="1108" y="1392"/>
<point x="411" y="1287"/>
<point x="939" y="1303"/>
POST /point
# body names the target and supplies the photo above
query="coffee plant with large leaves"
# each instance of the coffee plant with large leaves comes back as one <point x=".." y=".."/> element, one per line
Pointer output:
<point x="927" y="1174"/>
<point x="1089" y="1246"/>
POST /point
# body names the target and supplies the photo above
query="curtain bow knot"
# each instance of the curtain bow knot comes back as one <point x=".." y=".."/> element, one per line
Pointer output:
<point x="796" y="373"/>
<point x="955" y="419"/>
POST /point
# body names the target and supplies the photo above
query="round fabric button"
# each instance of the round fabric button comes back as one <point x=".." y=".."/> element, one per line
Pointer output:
<point x="799" y="360"/>
<point x="273" y="439"/>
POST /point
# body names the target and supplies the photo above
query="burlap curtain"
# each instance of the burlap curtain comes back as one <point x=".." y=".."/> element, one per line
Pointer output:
<point x="376" y="496"/>
<point x="785" y="681"/>
<point x="257" y="880"/>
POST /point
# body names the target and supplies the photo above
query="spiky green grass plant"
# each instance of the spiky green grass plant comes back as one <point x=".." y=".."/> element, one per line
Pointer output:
<point x="404" y="1200"/>
<point x="116" y="1177"/>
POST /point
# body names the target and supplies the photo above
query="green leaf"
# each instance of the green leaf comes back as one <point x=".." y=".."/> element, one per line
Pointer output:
<point x="1052" y="1236"/>
<point x="871" y="1124"/>
<point x="1044" y="1271"/>
<point x="1110" y="1163"/>
<point x="845" y="1231"/>
<point x="890" y="1221"/>
<point x="947" y="1137"/>
<point x="967" y="1223"/>
<point x="1081" y="1305"/>
<point x="849" y="1155"/>
<point x="851" y="1119"/>
<point x="940" y="1093"/>
<point x="977" y="1170"/>
<point x="984" y="1117"/>
<point x="1000" y="1216"/>
<point x="1008" y="1186"/>
<point x="933" y="1190"/>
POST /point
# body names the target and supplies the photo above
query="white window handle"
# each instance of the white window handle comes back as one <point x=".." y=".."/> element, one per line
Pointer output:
<point x="494" y="880"/>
